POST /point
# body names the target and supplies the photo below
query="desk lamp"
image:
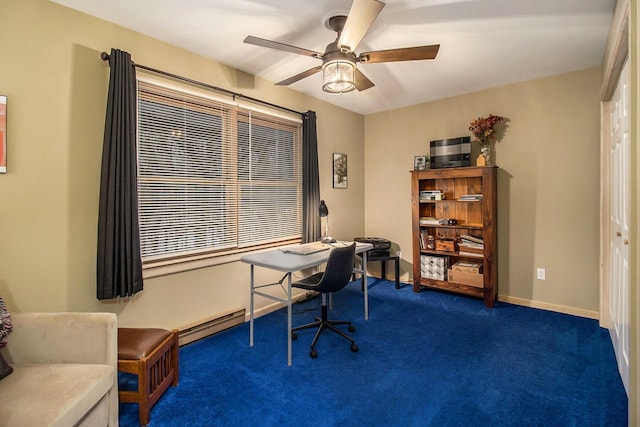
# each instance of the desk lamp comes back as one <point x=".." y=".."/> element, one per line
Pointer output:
<point x="323" y="211"/>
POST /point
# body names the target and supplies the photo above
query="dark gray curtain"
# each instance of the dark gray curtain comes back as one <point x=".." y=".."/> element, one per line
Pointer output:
<point x="119" y="267"/>
<point x="311" y="229"/>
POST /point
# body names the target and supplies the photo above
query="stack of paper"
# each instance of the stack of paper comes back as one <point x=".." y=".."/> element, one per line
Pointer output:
<point x="470" y="198"/>
<point x="470" y="245"/>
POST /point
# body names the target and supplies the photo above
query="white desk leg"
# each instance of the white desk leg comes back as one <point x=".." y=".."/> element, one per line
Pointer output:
<point x="289" y="326"/>
<point x="251" y="310"/>
<point x="364" y="284"/>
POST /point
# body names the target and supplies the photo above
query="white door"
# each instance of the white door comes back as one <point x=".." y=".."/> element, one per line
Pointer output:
<point x="619" y="223"/>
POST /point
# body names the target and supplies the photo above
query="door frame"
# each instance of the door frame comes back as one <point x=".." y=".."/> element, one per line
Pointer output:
<point x="614" y="61"/>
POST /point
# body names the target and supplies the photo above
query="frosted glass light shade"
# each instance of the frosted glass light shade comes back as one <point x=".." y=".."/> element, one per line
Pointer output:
<point x="338" y="76"/>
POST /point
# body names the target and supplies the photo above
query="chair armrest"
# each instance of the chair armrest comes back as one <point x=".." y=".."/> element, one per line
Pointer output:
<point x="63" y="338"/>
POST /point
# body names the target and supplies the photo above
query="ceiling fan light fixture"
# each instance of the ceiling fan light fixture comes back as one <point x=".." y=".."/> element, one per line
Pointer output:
<point x="339" y="76"/>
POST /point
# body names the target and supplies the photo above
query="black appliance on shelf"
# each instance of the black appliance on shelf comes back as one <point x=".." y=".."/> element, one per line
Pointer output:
<point x="381" y="246"/>
<point x="450" y="153"/>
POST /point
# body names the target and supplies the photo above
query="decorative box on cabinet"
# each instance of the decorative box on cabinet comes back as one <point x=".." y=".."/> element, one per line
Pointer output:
<point x="470" y="202"/>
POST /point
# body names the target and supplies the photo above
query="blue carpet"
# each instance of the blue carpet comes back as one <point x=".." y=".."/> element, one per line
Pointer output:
<point x="427" y="359"/>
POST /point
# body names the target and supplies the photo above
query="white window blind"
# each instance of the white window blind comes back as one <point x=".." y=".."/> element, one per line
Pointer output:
<point x="213" y="177"/>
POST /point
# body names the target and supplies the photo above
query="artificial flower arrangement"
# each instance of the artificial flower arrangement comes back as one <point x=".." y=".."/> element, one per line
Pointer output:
<point x="483" y="128"/>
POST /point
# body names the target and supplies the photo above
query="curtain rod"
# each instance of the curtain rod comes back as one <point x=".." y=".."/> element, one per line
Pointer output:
<point x="105" y="57"/>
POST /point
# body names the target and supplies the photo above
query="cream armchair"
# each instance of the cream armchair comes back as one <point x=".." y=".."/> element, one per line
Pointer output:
<point x="65" y="370"/>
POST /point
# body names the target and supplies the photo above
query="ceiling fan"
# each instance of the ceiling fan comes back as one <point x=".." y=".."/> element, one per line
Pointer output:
<point x="340" y="74"/>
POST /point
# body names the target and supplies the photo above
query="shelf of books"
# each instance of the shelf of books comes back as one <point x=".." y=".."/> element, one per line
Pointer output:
<point x="454" y="231"/>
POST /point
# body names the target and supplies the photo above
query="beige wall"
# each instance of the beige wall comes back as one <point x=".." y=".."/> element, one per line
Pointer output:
<point x="548" y="183"/>
<point x="56" y="86"/>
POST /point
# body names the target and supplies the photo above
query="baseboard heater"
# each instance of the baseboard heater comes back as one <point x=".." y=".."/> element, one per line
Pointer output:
<point x="210" y="326"/>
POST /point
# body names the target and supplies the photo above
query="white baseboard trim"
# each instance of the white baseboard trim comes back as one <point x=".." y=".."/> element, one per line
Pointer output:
<point x="590" y="314"/>
<point x="210" y="326"/>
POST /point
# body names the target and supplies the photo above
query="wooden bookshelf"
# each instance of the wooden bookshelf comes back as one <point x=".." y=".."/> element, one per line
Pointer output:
<point x="475" y="217"/>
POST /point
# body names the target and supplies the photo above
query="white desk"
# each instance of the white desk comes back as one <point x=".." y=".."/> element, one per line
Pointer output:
<point x="276" y="259"/>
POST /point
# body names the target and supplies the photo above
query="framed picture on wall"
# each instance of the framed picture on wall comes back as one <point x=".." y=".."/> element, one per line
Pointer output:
<point x="339" y="170"/>
<point x="3" y="134"/>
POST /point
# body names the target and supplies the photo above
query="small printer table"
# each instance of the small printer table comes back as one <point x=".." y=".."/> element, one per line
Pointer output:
<point x="381" y="252"/>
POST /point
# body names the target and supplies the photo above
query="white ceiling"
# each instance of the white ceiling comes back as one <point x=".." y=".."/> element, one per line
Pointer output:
<point x="483" y="43"/>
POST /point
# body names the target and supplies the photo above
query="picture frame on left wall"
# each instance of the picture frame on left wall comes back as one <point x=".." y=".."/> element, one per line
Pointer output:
<point x="3" y="134"/>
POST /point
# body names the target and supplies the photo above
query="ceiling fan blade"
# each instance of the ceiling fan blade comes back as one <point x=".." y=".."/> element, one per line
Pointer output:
<point x="281" y="46"/>
<point x="300" y="76"/>
<point x="360" y="19"/>
<point x="362" y="82"/>
<point x="401" y="54"/>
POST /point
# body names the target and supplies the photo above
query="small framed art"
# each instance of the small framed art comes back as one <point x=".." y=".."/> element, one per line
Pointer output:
<point x="339" y="170"/>
<point x="420" y="163"/>
<point x="3" y="134"/>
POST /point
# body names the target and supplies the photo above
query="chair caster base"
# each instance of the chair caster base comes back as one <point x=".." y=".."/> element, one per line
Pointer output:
<point x="354" y="347"/>
<point x="352" y="328"/>
<point x="313" y="353"/>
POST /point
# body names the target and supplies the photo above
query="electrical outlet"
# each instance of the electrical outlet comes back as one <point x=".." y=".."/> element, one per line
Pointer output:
<point x="541" y="273"/>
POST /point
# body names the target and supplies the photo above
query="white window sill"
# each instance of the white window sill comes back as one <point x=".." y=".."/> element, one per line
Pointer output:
<point x="167" y="267"/>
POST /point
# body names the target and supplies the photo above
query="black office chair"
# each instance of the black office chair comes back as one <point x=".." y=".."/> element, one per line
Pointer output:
<point x="336" y="276"/>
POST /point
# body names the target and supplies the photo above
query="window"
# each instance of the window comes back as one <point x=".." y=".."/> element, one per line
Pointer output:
<point x="213" y="177"/>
